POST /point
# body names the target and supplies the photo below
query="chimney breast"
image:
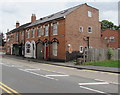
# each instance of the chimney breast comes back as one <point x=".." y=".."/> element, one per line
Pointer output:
<point x="17" y="24"/>
<point x="33" y="18"/>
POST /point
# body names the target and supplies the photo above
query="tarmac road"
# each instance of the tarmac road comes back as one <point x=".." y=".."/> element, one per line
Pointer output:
<point x="45" y="78"/>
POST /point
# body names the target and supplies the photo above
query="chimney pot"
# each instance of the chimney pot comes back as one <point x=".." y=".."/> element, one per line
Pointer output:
<point x="33" y="18"/>
<point x="17" y="24"/>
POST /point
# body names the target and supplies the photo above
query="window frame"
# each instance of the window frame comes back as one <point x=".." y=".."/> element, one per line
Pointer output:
<point x="112" y="39"/>
<point x="55" y="29"/>
<point x="81" y="50"/>
<point x="55" y="49"/>
<point x="33" y="32"/>
<point x="16" y="36"/>
<point x="91" y="29"/>
<point x="39" y="29"/>
<point x="89" y="14"/>
<point x="46" y="30"/>
<point x="80" y="29"/>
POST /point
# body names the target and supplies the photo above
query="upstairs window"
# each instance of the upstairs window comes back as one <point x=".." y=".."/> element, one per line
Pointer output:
<point x="46" y="30"/>
<point x="16" y="36"/>
<point x="89" y="29"/>
<point x="112" y="39"/>
<point x="28" y="33"/>
<point x="22" y="35"/>
<point x="81" y="29"/>
<point x="39" y="31"/>
<point x="55" y="29"/>
<point x="33" y="32"/>
<point x="89" y="14"/>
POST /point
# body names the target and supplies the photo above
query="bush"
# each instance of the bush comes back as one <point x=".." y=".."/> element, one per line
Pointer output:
<point x="110" y="53"/>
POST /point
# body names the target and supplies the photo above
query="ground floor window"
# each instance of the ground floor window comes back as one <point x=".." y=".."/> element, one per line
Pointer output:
<point x="27" y="48"/>
<point x="54" y="48"/>
<point x="81" y="49"/>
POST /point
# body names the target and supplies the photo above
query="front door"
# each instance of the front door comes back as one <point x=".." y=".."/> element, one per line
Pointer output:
<point x="45" y="52"/>
<point x="39" y="51"/>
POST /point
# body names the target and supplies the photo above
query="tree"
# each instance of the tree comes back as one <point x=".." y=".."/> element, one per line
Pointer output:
<point x="105" y="24"/>
<point x="2" y="40"/>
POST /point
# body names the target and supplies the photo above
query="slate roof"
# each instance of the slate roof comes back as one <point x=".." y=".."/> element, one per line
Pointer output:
<point x="19" y="28"/>
<point x="54" y="16"/>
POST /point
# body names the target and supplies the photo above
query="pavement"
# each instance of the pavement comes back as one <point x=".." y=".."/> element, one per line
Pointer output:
<point x="70" y="64"/>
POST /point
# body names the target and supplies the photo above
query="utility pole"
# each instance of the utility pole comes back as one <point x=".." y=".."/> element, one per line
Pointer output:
<point x="88" y="42"/>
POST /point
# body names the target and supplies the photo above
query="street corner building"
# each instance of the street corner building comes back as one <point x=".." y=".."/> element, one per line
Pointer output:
<point x="58" y="37"/>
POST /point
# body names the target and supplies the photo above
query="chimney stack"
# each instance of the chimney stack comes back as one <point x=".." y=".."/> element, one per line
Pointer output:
<point x="17" y="24"/>
<point x="33" y="18"/>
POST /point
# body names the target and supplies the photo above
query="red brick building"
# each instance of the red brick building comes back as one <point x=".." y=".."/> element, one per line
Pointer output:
<point x="61" y="36"/>
<point x="112" y="38"/>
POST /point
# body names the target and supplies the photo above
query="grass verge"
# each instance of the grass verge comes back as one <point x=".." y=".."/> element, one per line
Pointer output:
<point x="109" y="63"/>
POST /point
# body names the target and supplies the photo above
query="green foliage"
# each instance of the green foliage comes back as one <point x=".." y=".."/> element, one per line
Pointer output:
<point x="105" y="24"/>
<point x="110" y="53"/>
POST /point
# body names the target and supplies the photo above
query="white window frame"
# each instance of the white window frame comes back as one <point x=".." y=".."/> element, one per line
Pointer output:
<point x="112" y="39"/>
<point x="81" y="48"/>
<point x="91" y="29"/>
<point x="33" y="32"/>
<point x="80" y="29"/>
<point x="54" y="48"/>
<point x="17" y="36"/>
<point x="28" y="34"/>
<point x="55" y="28"/>
<point x="89" y="14"/>
<point x="105" y="38"/>
<point x="46" y="30"/>
<point x="39" y="31"/>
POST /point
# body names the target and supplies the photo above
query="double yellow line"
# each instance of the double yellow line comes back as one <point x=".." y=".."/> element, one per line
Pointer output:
<point x="8" y="89"/>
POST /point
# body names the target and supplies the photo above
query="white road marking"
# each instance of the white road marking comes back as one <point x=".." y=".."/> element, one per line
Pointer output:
<point x="98" y="80"/>
<point x="6" y="65"/>
<point x="96" y="83"/>
<point x="39" y="74"/>
<point x="92" y="89"/>
<point x="58" y="75"/>
<point x="32" y="69"/>
<point x="109" y="82"/>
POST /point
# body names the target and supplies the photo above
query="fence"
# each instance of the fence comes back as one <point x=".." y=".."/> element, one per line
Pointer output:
<point x="100" y="55"/>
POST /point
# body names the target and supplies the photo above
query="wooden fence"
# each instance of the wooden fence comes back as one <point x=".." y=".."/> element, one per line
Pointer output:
<point x="93" y="54"/>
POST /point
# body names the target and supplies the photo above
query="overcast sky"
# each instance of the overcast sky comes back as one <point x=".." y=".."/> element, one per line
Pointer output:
<point x="21" y="10"/>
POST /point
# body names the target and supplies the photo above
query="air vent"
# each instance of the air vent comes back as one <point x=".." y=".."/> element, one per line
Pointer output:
<point x="64" y="11"/>
<point x="50" y="16"/>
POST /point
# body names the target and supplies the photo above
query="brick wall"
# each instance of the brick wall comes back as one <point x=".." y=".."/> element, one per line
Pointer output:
<point x="78" y="18"/>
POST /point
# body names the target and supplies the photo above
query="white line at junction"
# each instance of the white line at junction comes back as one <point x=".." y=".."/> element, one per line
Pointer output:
<point x="57" y="75"/>
<point x="95" y="83"/>
<point x="32" y="69"/>
<point x="39" y="74"/>
<point x="92" y="89"/>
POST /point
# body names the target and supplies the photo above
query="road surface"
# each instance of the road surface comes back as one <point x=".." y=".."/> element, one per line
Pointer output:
<point x="21" y="76"/>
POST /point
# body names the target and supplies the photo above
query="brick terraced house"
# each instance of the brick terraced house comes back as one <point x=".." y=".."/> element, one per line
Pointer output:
<point x="60" y="36"/>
